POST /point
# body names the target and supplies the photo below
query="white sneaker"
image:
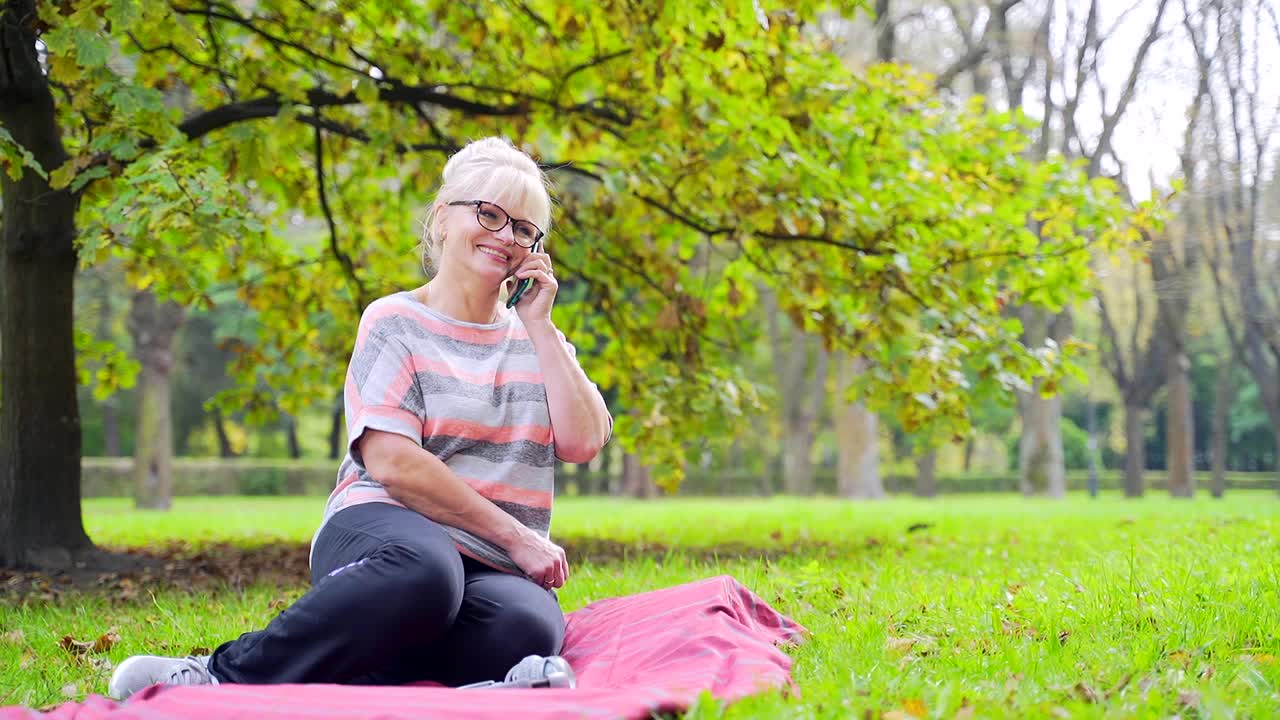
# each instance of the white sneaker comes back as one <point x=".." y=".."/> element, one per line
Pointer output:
<point x="142" y="671"/>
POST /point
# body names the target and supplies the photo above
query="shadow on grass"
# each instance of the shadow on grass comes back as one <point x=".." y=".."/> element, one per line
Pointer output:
<point x="181" y="565"/>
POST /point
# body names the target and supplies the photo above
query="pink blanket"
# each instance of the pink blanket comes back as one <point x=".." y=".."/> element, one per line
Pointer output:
<point x="634" y="656"/>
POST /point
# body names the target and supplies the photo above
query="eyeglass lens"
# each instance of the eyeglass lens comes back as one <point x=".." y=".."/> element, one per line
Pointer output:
<point x="494" y="218"/>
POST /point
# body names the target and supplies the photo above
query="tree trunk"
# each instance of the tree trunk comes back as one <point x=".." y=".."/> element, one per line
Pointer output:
<point x="797" y="467"/>
<point x="1135" y="453"/>
<point x="153" y="446"/>
<point x="291" y="434"/>
<point x="110" y="428"/>
<point x="582" y="479"/>
<point x="857" y="437"/>
<point x="1180" y="443"/>
<point x="636" y="481"/>
<point x="153" y="325"/>
<point x="1222" y="397"/>
<point x="1040" y="454"/>
<point x="224" y="441"/>
<point x="1041" y="462"/>
<point x="802" y="386"/>
<point x="926" y="474"/>
<point x="335" y="427"/>
<point x="110" y="419"/>
<point x="885" y="28"/>
<point x="1091" y="423"/>
<point x="40" y="521"/>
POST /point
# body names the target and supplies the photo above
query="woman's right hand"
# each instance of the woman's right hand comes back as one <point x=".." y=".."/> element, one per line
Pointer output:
<point x="542" y="561"/>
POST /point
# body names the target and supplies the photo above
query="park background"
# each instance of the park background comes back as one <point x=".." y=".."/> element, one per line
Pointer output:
<point x="843" y="252"/>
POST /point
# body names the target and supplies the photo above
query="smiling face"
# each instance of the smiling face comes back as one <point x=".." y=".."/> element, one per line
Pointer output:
<point x="494" y="171"/>
<point x="483" y="252"/>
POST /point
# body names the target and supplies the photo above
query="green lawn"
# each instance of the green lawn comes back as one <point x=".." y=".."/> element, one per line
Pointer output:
<point x="1010" y="607"/>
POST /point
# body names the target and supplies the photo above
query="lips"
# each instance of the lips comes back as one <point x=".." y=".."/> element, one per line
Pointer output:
<point x="504" y="258"/>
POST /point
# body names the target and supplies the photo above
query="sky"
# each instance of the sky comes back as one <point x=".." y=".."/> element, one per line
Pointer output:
<point x="1150" y="135"/>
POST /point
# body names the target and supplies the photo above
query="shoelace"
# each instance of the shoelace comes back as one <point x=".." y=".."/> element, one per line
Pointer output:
<point x="189" y="672"/>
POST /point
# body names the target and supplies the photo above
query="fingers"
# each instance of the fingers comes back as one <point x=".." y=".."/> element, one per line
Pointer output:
<point x="537" y="261"/>
<point x="542" y="276"/>
<point x="556" y="571"/>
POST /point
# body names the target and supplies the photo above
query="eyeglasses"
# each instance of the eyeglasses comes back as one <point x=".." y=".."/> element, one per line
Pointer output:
<point x="493" y="218"/>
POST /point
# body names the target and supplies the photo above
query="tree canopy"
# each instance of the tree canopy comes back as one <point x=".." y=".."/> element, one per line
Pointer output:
<point x="699" y="151"/>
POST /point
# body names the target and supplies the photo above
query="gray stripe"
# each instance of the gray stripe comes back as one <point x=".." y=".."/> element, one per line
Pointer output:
<point x="520" y="476"/>
<point x="483" y="549"/>
<point x="432" y="383"/>
<point x="480" y="412"/>
<point x="399" y="325"/>
<point x="526" y="452"/>
<point x="535" y="518"/>
<point x="365" y="359"/>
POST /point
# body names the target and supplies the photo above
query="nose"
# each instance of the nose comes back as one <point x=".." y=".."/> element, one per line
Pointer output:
<point x="507" y="234"/>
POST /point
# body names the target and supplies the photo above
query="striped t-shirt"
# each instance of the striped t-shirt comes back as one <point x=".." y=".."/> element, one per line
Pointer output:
<point x="472" y="394"/>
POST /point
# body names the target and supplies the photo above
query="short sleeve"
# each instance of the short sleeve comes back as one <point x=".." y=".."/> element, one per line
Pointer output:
<point x="381" y="390"/>
<point x="573" y="353"/>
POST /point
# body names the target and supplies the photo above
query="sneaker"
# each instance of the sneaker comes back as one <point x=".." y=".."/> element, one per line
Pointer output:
<point x="142" y="671"/>
<point x="534" y="671"/>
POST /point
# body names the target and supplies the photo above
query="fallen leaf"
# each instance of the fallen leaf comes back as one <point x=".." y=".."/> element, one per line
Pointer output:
<point x="1087" y="693"/>
<point x="1181" y="657"/>
<point x="1124" y="681"/>
<point x="899" y="644"/>
<point x="1012" y="591"/>
<point x="1189" y="698"/>
<point x="103" y="644"/>
<point x="922" y="644"/>
<point x="915" y="707"/>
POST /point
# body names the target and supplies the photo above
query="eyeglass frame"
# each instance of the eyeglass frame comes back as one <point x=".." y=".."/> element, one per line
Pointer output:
<point x="510" y="221"/>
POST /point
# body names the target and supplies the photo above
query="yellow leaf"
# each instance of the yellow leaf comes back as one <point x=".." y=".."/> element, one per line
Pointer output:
<point x="62" y="177"/>
<point x="916" y="707"/>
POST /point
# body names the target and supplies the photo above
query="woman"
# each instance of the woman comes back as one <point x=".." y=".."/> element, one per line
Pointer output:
<point x="433" y="561"/>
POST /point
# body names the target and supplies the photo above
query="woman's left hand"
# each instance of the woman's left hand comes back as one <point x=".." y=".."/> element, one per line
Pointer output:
<point x="535" y="305"/>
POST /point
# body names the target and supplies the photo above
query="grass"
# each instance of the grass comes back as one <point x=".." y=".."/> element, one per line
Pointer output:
<point x="993" y="606"/>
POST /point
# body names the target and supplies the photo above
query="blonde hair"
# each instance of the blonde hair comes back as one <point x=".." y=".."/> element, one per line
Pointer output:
<point x="489" y="169"/>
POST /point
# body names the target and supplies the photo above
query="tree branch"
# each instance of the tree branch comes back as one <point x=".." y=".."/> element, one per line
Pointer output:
<point x="348" y="267"/>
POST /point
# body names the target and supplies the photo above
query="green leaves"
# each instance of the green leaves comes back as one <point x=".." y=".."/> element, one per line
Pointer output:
<point x="701" y="152"/>
<point x="14" y="158"/>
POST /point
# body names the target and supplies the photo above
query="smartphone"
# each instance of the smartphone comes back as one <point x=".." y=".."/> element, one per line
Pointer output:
<point x="524" y="283"/>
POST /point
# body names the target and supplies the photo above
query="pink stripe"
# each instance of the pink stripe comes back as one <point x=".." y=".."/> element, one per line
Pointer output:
<point x="351" y="395"/>
<point x="424" y="363"/>
<point x="398" y="306"/>
<point x="475" y="431"/>
<point x="396" y="414"/>
<point x="399" y="385"/>
<point x="503" y="492"/>
<point x="347" y="482"/>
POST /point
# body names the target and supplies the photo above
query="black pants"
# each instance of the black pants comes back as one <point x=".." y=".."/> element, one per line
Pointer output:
<point x="392" y="601"/>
